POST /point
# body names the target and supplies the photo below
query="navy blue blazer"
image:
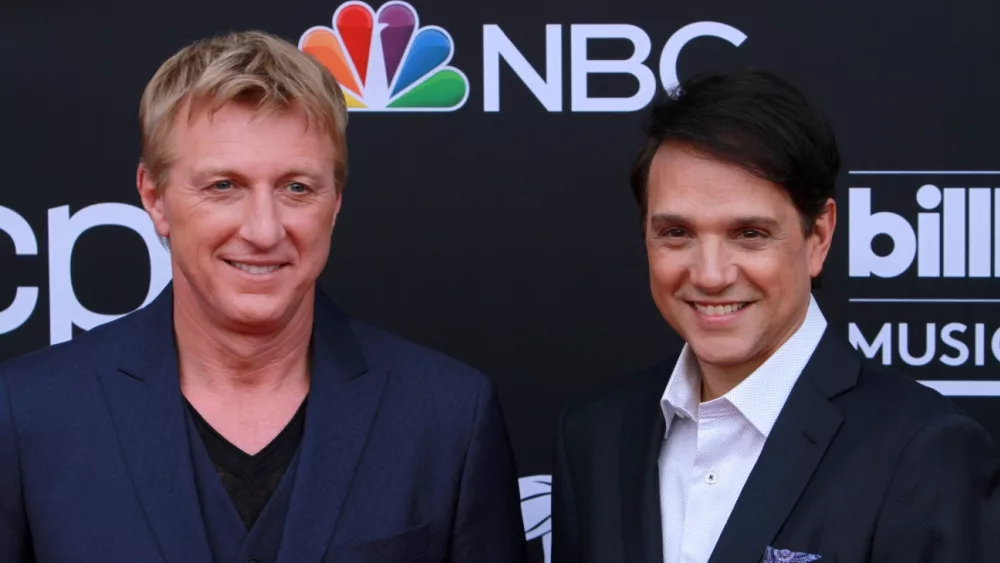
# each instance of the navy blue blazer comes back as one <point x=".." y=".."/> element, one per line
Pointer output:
<point x="404" y="457"/>
<point x="863" y="465"/>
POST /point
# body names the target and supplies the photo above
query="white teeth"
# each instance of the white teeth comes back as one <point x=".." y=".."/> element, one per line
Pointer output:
<point x="714" y="310"/>
<point x="254" y="269"/>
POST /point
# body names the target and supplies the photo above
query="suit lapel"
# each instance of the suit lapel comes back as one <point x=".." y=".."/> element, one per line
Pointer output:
<point x="140" y="381"/>
<point x="796" y="445"/>
<point x="642" y="436"/>
<point x="343" y="403"/>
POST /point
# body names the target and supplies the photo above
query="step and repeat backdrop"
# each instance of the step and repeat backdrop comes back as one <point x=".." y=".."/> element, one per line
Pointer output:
<point x="487" y="212"/>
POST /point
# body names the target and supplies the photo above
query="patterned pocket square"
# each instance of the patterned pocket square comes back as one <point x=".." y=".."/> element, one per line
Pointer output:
<point x="786" y="556"/>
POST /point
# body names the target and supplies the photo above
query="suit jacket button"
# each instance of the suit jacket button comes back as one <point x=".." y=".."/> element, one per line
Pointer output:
<point x="252" y="560"/>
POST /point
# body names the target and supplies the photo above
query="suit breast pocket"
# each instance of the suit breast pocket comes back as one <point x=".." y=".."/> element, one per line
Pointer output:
<point x="411" y="546"/>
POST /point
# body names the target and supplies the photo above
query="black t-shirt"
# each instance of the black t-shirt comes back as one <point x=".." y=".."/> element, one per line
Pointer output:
<point x="250" y="480"/>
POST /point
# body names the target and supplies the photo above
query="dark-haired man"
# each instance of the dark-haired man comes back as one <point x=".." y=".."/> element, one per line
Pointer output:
<point x="768" y="438"/>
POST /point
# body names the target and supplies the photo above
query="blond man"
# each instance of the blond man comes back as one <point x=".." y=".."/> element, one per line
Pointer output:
<point x="242" y="417"/>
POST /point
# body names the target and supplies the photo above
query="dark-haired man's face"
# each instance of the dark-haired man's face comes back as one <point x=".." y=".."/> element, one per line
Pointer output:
<point x="729" y="265"/>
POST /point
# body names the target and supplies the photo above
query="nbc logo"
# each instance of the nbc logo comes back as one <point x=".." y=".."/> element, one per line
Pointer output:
<point x="384" y="60"/>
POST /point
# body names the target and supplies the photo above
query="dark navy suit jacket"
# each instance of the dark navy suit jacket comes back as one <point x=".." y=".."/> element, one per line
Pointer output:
<point x="863" y="465"/>
<point x="405" y="456"/>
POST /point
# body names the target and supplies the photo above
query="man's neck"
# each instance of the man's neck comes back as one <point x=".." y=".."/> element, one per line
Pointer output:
<point x="223" y="360"/>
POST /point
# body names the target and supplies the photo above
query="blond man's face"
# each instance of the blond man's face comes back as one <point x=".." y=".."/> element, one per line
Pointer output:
<point x="249" y="209"/>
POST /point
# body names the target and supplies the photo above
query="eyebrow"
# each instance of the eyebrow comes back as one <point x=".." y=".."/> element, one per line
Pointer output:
<point x="218" y="171"/>
<point x="202" y="174"/>
<point x="740" y="221"/>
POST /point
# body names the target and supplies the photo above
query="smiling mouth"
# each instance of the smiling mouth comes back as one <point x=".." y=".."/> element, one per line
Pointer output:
<point x="255" y="270"/>
<point x="719" y="310"/>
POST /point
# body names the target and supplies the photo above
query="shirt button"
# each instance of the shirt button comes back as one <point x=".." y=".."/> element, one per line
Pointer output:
<point x="710" y="478"/>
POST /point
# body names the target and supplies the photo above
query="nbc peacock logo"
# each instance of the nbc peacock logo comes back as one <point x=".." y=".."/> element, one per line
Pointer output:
<point x="384" y="60"/>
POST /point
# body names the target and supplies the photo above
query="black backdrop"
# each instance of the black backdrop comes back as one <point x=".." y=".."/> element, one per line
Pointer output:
<point x="504" y="233"/>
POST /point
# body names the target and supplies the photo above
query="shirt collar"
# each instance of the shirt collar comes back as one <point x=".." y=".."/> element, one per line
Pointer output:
<point x="761" y="396"/>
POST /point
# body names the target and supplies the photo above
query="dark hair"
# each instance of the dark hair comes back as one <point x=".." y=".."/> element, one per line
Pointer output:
<point x="752" y="119"/>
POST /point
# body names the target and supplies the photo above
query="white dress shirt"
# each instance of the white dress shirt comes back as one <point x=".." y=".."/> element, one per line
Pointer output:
<point x="710" y="448"/>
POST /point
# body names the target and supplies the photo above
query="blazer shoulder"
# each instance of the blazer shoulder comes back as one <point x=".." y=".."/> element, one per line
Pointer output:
<point x="617" y="398"/>
<point x="420" y="364"/>
<point x="889" y="403"/>
<point x="66" y="359"/>
<point x="870" y="393"/>
<point x="901" y="394"/>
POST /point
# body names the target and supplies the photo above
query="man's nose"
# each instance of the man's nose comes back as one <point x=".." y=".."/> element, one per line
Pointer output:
<point x="712" y="269"/>
<point x="262" y="219"/>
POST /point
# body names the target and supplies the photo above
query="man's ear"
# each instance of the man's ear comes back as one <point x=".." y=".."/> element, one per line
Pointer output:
<point x="821" y="237"/>
<point x="336" y="205"/>
<point x="152" y="200"/>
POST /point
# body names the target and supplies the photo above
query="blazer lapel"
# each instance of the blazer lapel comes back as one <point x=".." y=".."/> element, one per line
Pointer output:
<point x="800" y="437"/>
<point x="642" y="436"/>
<point x="343" y="403"/>
<point x="140" y="380"/>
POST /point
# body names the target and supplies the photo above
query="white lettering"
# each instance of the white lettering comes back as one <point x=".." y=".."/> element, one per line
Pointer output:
<point x="25" y="244"/>
<point x="904" y="346"/>
<point x="996" y="233"/>
<point x="980" y="346"/>
<point x="863" y="226"/>
<point x="958" y="345"/>
<point x="929" y="233"/>
<point x="581" y="67"/>
<point x="65" y="309"/>
<point x="954" y="232"/>
<point x="882" y="341"/>
<point x="954" y="241"/>
<point x="980" y="264"/>
<point x="672" y="49"/>
<point x="949" y="340"/>
<point x="547" y="90"/>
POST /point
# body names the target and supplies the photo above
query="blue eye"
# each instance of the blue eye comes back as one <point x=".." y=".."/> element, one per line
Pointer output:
<point x="223" y="185"/>
<point x="297" y="188"/>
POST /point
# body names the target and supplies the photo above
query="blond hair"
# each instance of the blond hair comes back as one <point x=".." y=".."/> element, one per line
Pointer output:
<point x="252" y="68"/>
